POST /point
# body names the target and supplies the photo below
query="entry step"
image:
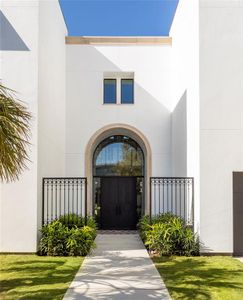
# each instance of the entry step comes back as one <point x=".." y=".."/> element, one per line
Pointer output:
<point x="117" y="232"/>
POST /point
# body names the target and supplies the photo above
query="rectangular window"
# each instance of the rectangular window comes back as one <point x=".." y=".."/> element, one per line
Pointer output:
<point x="109" y="90"/>
<point x="127" y="91"/>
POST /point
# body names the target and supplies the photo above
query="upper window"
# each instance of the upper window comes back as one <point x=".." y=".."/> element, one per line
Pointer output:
<point x="127" y="91"/>
<point x="118" y="88"/>
<point x="109" y="90"/>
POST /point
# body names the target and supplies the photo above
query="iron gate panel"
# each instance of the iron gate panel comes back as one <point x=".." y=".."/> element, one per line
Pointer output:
<point x="174" y="195"/>
<point x="63" y="196"/>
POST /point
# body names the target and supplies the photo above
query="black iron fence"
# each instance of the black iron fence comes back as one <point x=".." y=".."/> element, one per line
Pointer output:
<point x="62" y="197"/>
<point x="65" y="196"/>
<point x="174" y="195"/>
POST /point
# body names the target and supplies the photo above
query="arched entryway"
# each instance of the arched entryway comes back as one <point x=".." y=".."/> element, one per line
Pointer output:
<point x="118" y="178"/>
<point x="98" y="141"/>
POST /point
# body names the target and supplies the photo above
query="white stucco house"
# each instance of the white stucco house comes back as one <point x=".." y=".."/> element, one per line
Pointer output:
<point x="153" y="123"/>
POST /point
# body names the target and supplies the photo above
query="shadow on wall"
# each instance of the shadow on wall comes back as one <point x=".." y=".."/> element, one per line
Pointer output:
<point x="179" y="137"/>
<point x="9" y="38"/>
<point x="147" y="105"/>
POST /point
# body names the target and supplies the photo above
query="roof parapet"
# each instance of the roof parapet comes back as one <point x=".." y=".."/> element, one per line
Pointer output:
<point x="118" y="40"/>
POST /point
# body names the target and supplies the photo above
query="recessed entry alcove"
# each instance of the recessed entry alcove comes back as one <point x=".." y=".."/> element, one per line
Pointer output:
<point x="118" y="167"/>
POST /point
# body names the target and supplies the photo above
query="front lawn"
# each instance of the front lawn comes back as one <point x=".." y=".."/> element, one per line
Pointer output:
<point x="203" y="278"/>
<point x="36" y="278"/>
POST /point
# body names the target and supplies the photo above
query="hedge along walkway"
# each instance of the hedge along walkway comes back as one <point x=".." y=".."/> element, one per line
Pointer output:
<point x="119" y="268"/>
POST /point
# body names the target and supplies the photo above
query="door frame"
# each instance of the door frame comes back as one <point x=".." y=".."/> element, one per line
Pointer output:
<point x="105" y="132"/>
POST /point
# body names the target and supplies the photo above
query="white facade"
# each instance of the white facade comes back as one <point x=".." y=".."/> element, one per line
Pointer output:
<point x="150" y="113"/>
<point x="188" y="104"/>
<point x="37" y="73"/>
<point x="19" y="70"/>
<point x="221" y="118"/>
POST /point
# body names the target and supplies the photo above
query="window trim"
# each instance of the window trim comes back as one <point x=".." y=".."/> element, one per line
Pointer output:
<point x="132" y="91"/>
<point x="112" y="103"/>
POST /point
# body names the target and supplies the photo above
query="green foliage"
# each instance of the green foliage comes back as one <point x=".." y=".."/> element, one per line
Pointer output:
<point x="144" y="226"/>
<point x="80" y="241"/>
<point x="60" y="238"/>
<point x="53" y="241"/>
<point x="168" y="235"/>
<point x="14" y="135"/>
<point x="73" y="220"/>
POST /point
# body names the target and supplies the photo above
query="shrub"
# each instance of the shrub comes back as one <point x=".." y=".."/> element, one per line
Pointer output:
<point x="168" y="235"/>
<point x="60" y="238"/>
<point x="53" y="241"/>
<point x="73" y="220"/>
<point x="80" y="241"/>
<point x="144" y="226"/>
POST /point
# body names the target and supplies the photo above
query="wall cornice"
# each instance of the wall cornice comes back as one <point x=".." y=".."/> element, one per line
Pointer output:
<point x="118" y="40"/>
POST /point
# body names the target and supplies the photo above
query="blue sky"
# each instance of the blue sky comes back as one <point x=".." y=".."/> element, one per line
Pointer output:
<point x="119" y="17"/>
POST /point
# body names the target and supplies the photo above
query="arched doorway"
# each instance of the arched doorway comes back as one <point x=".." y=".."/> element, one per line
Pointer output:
<point x="101" y="134"/>
<point x="118" y="182"/>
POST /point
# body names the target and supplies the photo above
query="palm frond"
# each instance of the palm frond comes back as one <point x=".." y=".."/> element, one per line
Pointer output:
<point x="14" y="135"/>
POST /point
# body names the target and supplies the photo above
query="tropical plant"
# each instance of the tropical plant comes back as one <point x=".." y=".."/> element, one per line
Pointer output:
<point x="14" y="135"/>
<point x="60" y="238"/>
<point x="73" y="220"/>
<point x="53" y="241"/>
<point x="167" y="234"/>
<point x="80" y="241"/>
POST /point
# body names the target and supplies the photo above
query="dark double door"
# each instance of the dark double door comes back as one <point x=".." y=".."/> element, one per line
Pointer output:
<point x="118" y="203"/>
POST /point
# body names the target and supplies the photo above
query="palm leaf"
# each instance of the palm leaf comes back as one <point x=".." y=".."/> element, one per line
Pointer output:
<point x="14" y="135"/>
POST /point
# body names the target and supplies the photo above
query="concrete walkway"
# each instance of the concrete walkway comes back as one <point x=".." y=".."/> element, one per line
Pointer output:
<point x="119" y="268"/>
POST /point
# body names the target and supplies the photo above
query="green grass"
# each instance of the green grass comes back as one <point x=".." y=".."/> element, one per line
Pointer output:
<point x="36" y="277"/>
<point x="204" y="278"/>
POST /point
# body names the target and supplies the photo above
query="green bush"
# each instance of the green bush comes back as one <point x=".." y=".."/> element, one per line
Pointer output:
<point x="60" y="238"/>
<point x="53" y="240"/>
<point x="73" y="220"/>
<point x="168" y="235"/>
<point x="80" y="241"/>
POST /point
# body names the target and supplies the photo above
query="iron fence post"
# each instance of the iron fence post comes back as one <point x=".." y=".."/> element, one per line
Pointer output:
<point x="193" y="225"/>
<point x="43" y="202"/>
<point x="85" y="201"/>
<point x="150" y="200"/>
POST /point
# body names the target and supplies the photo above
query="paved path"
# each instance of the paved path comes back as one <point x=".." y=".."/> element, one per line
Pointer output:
<point x="120" y="269"/>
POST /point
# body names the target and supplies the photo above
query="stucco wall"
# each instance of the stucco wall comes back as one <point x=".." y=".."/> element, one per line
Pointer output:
<point x="86" y="112"/>
<point x="33" y="64"/>
<point x="179" y="138"/>
<point x="221" y="117"/>
<point x="184" y="80"/>
<point x="51" y="94"/>
<point x="19" y="71"/>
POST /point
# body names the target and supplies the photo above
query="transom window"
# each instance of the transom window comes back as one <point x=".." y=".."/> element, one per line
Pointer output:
<point x="118" y="155"/>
